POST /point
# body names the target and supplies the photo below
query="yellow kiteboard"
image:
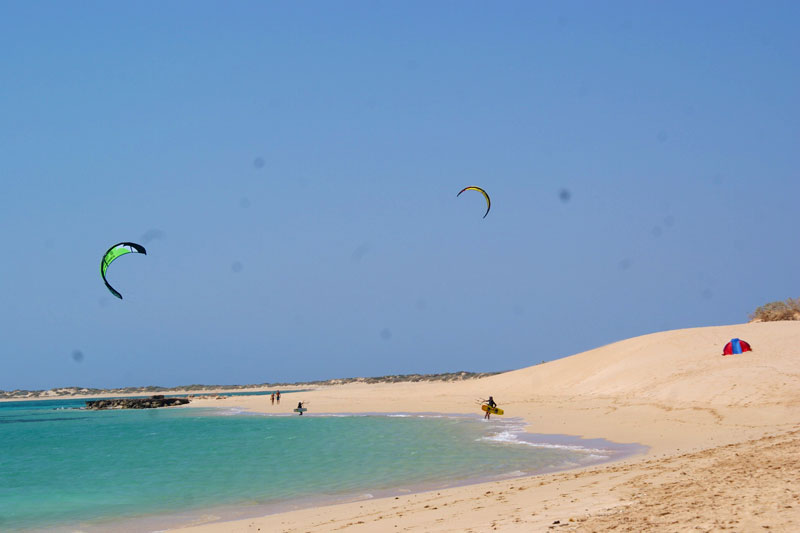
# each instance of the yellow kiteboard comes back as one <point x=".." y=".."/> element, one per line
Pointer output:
<point x="493" y="410"/>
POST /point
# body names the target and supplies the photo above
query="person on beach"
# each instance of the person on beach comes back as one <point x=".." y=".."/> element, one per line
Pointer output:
<point x="273" y="398"/>
<point x="300" y="407"/>
<point x="278" y="397"/>
<point x="492" y="405"/>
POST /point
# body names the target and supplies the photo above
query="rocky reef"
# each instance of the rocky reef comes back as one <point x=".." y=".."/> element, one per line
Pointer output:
<point x="152" y="402"/>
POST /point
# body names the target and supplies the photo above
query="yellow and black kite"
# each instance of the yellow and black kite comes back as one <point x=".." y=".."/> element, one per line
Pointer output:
<point x="488" y="201"/>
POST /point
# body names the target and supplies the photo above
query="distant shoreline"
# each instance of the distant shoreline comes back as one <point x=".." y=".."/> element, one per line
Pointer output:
<point x="86" y="392"/>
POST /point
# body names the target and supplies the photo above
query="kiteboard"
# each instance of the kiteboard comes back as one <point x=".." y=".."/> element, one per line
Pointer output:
<point x="493" y="410"/>
<point x="300" y="410"/>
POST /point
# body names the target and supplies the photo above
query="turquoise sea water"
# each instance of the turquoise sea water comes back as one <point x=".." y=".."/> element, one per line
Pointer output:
<point x="61" y="466"/>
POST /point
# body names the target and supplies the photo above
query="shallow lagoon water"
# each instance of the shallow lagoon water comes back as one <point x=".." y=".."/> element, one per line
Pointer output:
<point x="62" y="466"/>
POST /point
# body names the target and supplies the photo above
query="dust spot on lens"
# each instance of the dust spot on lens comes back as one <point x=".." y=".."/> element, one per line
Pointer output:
<point x="421" y="304"/>
<point x="386" y="334"/>
<point x="708" y="294"/>
<point x="360" y="251"/>
<point x="662" y="136"/>
<point x="656" y="231"/>
<point x="564" y="195"/>
<point x="151" y="235"/>
<point x="669" y="221"/>
<point x="244" y="203"/>
<point x="77" y="356"/>
<point x="258" y="162"/>
<point x="625" y="264"/>
<point x="237" y="266"/>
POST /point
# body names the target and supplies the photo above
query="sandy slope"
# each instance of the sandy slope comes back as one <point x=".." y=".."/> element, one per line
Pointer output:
<point x="722" y="431"/>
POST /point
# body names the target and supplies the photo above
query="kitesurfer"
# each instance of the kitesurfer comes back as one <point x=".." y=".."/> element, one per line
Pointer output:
<point x="492" y="405"/>
<point x="300" y="408"/>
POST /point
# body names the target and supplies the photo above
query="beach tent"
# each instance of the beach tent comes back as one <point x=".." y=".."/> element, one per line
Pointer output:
<point x="736" y="346"/>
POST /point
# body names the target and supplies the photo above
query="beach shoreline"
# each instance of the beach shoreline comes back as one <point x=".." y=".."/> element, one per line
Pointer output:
<point x="632" y="495"/>
<point x="595" y="452"/>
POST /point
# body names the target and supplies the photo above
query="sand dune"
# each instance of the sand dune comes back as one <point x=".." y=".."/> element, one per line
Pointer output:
<point x="683" y="366"/>
<point x="722" y="432"/>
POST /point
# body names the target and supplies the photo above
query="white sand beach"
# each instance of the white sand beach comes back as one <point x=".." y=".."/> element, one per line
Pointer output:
<point x="723" y="436"/>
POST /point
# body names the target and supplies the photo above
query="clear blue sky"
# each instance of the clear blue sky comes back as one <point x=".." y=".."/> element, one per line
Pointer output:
<point x="292" y="169"/>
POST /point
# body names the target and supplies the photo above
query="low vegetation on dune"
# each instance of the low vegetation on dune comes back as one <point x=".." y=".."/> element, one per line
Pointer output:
<point x="398" y="378"/>
<point x="788" y="310"/>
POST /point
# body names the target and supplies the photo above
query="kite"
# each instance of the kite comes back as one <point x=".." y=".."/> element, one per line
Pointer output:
<point x="488" y="201"/>
<point x="115" y="251"/>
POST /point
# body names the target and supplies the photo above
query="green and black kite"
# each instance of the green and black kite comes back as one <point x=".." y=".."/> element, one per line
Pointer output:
<point x="115" y="251"/>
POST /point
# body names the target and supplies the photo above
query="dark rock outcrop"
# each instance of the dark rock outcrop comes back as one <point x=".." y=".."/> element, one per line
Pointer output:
<point x="136" y="403"/>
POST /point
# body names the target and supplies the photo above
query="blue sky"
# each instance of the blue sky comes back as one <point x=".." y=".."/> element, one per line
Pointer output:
<point x="292" y="169"/>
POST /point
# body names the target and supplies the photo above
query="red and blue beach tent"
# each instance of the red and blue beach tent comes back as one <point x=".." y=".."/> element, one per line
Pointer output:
<point x="736" y="346"/>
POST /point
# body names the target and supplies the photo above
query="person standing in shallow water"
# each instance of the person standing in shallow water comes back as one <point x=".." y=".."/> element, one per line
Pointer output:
<point x="492" y="405"/>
